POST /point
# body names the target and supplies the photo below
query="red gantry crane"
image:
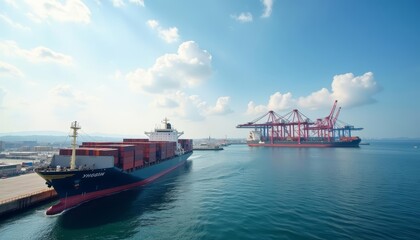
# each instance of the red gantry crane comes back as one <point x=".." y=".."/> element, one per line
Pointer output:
<point x="294" y="129"/>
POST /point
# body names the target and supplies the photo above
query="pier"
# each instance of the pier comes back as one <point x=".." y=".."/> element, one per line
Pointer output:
<point x="22" y="192"/>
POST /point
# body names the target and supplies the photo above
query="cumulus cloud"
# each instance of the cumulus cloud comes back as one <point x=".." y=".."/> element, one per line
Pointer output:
<point x="118" y="3"/>
<point x="318" y="99"/>
<point x="11" y="3"/>
<point x="153" y="24"/>
<point x="277" y="102"/>
<point x="121" y="3"/>
<point x="221" y="108"/>
<point x="165" y="102"/>
<point x="255" y="109"/>
<point x="243" y="17"/>
<point x="38" y="54"/>
<point x="354" y="91"/>
<point x="280" y="101"/>
<point x="137" y="2"/>
<point x="188" y="67"/>
<point x="7" y="69"/>
<point x="349" y="90"/>
<point x="169" y="35"/>
<point x="65" y="96"/>
<point x="268" y="8"/>
<point x="192" y="107"/>
<point x="64" y="102"/>
<point x="13" y="23"/>
<point x="68" y="11"/>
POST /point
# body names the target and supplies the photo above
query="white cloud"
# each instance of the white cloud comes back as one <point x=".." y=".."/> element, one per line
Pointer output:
<point x="354" y="91"/>
<point x="221" y="108"/>
<point x="268" y="8"/>
<point x="243" y="17"/>
<point x="38" y="54"/>
<point x="65" y="97"/>
<point x="181" y="105"/>
<point x="316" y="100"/>
<point x="117" y="75"/>
<point x="191" y="107"/>
<point x="280" y="101"/>
<point x="255" y="109"/>
<point x="165" y="102"/>
<point x="11" y="3"/>
<point x="9" y="70"/>
<point x="153" y="24"/>
<point x="347" y="89"/>
<point x="195" y="109"/>
<point x="69" y="11"/>
<point x="118" y="3"/>
<point x="277" y="102"/>
<point x="169" y="35"/>
<point x="13" y="24"/>
<point x="137" y="2"/>
<point x="121" y="3"/>
<point x="188" y="67"/>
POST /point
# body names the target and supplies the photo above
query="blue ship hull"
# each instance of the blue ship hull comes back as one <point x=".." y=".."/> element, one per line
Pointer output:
<point x="77" y="186"/>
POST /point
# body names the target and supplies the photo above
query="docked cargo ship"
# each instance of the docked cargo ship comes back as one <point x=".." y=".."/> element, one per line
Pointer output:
<point x="256" y="140"/>
<point x="296" y="130"/>
<point x="97" y="169"/>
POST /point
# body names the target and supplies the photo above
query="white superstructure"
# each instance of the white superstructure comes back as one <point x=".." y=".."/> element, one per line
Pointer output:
<point x="166" y="134"/>
<point x="254" y="136"/>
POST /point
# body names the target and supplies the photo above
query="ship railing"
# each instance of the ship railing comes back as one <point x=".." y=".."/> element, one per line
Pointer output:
<point x="64" y="169"/>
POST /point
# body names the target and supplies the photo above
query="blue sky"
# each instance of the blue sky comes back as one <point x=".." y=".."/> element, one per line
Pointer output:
<point x="119" y="67"/>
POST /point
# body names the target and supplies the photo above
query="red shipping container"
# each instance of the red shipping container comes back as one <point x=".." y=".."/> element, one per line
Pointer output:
<point x="138" y="163"/>
<point x="91" y="152"/>
<point x="149" y="150"/>
<point x="127" y="162"/>
<point x="130" y="140"/>
<point x="124" y="150"/>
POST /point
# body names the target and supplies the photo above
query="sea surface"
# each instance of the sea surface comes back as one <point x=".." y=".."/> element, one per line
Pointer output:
<point x="371" y="192"/>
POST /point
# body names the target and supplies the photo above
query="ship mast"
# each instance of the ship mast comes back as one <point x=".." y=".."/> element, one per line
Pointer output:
<point x="75" y="126"/>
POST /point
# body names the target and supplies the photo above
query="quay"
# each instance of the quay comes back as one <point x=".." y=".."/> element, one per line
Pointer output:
<point x="22" y="192"/>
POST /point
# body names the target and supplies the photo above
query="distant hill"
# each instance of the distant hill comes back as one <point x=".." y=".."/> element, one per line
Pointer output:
<point x="53" y="137"/>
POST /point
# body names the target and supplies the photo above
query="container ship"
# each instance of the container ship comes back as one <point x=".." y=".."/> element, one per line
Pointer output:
<point x="97" y="169"/>
<point x="296" y="130"/>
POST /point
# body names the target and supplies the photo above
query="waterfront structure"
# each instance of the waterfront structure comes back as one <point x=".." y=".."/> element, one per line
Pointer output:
<point x="294" y="129"/>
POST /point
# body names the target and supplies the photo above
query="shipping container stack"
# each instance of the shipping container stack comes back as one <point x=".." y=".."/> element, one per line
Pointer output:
<point x="186" y="144"/>
<point x="160" y="151"/>
<point x="126" y="152"/>
<point x="130" y="140"/>
<point x="131" y="153"/>
<point x="170" y="150"/>
<point x="91" y="152"/>
<point x="138" y="157"/>
<point x="149" y="149"/>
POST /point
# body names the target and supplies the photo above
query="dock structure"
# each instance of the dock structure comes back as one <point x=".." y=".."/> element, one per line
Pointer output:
<point x="21" y="192"/>
<point x="296" y="129"/>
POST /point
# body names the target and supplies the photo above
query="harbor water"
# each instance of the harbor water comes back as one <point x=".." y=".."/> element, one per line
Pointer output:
<point x="371" y="192"/>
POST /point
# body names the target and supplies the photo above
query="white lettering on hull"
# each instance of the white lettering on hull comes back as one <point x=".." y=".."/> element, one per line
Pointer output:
<point x="92" y="175"/>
